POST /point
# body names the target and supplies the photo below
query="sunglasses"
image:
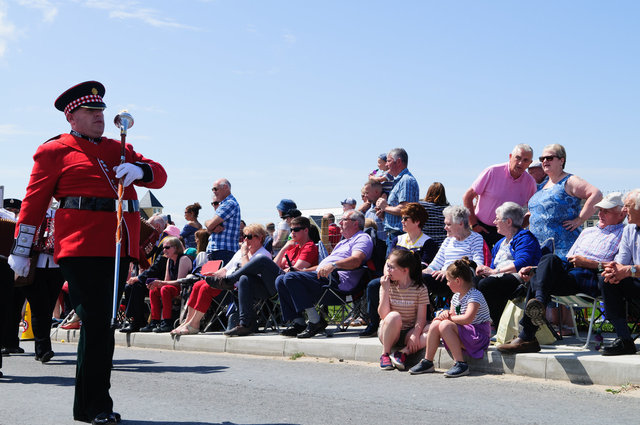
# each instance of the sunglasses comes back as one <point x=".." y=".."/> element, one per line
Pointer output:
<point x="248" y="236"/>
<point x="547" y="158"/>
<point x="215" y="203"/>
<point x="297" y="229"/>
<point x="405" y="218"/>
<point x="167" y="247"/>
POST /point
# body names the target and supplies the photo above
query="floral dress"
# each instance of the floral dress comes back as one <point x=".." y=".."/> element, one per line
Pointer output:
<point x="549" y="208"/>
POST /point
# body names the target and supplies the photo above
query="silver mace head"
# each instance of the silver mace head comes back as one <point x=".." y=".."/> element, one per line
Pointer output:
<point x="123" y="120"/>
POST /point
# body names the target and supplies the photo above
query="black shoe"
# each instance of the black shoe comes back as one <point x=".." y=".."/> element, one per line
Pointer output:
<point x="45" y="357"/>
<point x="151" y="326"/>
<point x="111" y="418"/>
<point x="219" y="283"/>
<point x="12" y="350"/>
<point x="241" y="331"/>
<point x="166" y="325"/>
<point x="129" y="327"/>
<point x="619" y="347"/>
<point x="293" y="330"/>
<point x="313" y="329"/>
<point x="369" y="331"/>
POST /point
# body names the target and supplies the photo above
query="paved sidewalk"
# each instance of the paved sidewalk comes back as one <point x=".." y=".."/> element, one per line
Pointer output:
<point x="564" y="360"/>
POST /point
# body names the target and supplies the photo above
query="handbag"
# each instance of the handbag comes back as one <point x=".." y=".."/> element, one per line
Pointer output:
<point x="509" y="326"/>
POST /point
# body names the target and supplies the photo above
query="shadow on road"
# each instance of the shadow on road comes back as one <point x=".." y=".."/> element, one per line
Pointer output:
<point x="46" y="380"/>
<point x="134" y="422"/>
<point x="137" y="365"/>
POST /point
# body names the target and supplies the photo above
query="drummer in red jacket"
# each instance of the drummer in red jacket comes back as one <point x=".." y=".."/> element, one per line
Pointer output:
<point x="81" y="170"/>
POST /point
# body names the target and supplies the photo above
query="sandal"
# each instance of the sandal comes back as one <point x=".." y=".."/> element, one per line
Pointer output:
<point x="189" y="330"/>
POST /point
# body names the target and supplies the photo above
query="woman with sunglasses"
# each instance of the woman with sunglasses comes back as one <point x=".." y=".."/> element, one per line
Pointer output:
<point x="555" y="209"/>
<point x="256" y="278"/>
<point x="162" y="292"/>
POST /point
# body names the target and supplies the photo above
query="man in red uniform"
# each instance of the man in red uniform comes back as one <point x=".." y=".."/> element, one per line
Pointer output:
<point x="81" y="170"/>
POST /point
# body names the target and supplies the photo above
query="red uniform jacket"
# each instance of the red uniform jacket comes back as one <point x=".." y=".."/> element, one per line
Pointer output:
<point x="72" y="166"/>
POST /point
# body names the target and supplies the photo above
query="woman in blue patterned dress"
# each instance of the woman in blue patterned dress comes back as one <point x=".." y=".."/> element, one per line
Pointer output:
<point x="555" y="209"/>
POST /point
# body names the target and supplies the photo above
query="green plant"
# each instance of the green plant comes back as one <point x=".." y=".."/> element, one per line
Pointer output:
<point x="626" y="387"/>
<point x="297" y="355"/>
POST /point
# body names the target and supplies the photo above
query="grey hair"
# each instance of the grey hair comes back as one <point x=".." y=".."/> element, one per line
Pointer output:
<point x="399" y="153"/>
<point x="522" y="147"/>
<point x="357" y="216"/>
<point x="513" y="211"/>
<point x="225" y="182"/>
<point x="559" y="151"/>
<point x="635" y="196"/>
<point x="158" y="216"/>
<point x="459" y="214"/>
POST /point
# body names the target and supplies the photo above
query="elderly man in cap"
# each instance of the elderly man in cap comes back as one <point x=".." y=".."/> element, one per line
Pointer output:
<point x="81" y="170"/>
<point x="579" y="274"/>
<point x="496" y="185"/>
<point x="620" y="279"/>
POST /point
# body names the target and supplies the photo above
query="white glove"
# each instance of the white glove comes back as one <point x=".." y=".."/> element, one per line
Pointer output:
<point x="130" y="173"/>
<point x="19" y="264"/>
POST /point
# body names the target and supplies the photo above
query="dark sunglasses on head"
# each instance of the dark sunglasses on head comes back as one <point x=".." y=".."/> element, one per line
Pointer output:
<point x="297" y="229"/>
<point x="248" y="236"/>
<point x="547" y="158"/>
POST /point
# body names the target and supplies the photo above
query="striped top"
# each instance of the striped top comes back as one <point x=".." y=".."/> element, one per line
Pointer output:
<point x="406" y="302"/>
<point x="473" y="296"/>
<point x="453" y="249"/>
<point x="434" y="227"/>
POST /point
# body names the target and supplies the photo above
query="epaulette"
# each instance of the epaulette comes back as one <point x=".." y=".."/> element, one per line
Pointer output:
<point x="53" y="138"/>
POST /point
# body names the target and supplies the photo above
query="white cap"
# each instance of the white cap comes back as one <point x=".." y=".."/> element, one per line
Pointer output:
<point x="613" y="199"/>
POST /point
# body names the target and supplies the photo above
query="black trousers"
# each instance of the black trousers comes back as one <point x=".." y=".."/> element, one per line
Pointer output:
<point x="12" y="303"/>
<point x="556" y="277"/>
<point x="134" y="296"/>
<point x="6" y="292"/>
<point x="42" y="295"/>
<point x="614" y="296"/>
<point x="91" y="291"/>
<point x="497" y="291"/>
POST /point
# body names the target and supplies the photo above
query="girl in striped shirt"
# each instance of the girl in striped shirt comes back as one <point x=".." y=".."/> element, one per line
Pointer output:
<point x="402" y="308"/>
<point x="465" y="326"/>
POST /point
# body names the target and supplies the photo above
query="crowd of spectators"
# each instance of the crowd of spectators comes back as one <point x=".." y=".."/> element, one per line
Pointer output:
<point x="436" y="272"/>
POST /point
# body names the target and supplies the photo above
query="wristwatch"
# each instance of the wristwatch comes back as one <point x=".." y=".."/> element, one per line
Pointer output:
<point x="333" y="263"/>
<point x="633" y="270"/>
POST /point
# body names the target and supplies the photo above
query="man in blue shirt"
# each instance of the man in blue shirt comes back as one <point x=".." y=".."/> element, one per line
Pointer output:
<point x="225" y="224"/>
<point x="405" y="190"/>
<point x="620" y="279"/>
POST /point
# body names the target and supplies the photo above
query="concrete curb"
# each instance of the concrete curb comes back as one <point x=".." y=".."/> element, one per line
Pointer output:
<point x="555" y="362"/>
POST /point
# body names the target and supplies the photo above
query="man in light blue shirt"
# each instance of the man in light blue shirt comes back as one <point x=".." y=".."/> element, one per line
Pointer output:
<point x="620" y="279"/>
<point x="405" y="190"/>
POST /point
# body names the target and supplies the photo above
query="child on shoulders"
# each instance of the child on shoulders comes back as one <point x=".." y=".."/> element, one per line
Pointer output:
<point x="466" y="326"/>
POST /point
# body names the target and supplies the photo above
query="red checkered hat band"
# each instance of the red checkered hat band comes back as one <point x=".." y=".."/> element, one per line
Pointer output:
<point x="91" y="98"/>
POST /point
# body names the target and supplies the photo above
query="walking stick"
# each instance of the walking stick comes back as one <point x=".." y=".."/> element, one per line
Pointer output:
<point x="123" y="121"/>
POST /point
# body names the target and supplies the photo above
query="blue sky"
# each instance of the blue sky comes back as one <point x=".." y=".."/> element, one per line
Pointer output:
<point x="296" y="99"/>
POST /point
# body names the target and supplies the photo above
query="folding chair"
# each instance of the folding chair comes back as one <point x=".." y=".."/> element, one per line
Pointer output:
<point x="582" y="301"/>
<point x="348" y="305"/>
<point x="268" y="311"/>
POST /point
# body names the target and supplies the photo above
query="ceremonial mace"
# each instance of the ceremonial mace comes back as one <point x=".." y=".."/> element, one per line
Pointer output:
<point x="123" y="121"/>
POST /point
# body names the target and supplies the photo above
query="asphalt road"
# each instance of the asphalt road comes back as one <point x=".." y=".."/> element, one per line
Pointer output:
<point x="168" y="387"/>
